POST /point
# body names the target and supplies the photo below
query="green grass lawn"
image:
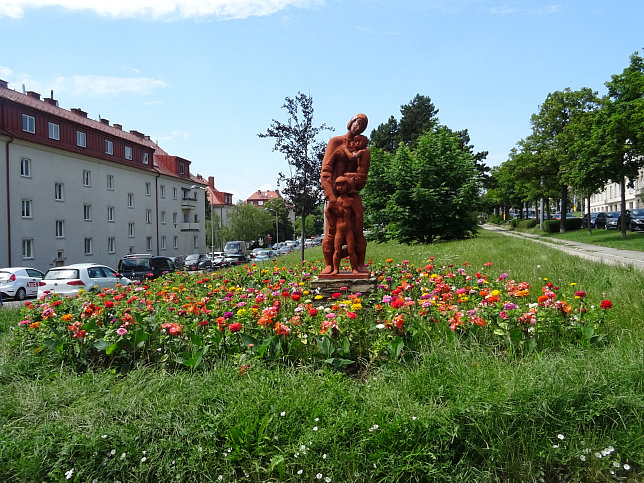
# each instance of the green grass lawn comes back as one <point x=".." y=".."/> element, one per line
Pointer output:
<point x="457" y="412"/>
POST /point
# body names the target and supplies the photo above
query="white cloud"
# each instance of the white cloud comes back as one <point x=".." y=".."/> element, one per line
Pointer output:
<point x="107" y="85"/>
<point x="160" y="9"/>
<point x="5" y="72"/>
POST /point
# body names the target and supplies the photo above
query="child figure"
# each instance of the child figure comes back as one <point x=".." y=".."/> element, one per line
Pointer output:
<point x="344" y="224"/>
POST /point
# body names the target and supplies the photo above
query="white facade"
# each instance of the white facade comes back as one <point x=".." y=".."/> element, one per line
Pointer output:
<point x="61" y="206"/>
<point x="610" y="199"/>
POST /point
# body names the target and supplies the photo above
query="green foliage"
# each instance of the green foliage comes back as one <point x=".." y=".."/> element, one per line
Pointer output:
<point x="527" y="224"/>
<point x="286" y="228"/>
<point x="495" y="219"/>
<point x="247" y="222"/>
<point x="425" y="194"/>
<point x="551" y="226"/>
<point x="574" y="223"/>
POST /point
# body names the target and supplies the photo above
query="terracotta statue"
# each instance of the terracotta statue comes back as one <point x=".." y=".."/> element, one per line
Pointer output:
<point x="344" y="172"/>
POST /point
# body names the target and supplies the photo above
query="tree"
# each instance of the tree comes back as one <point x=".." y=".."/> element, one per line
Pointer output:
<point x="417" y="117"/>
<point x="417" y="196"/>
<point x="297" y="141"/>
<point x="247" y="222"/>
<point x="284" y="223"/>
<point x="550" y="140"/>
<point x="619" y="128"/>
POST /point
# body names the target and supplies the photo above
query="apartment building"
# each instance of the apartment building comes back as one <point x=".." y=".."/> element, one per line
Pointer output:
<point x="610" y="199"/>
<point x="81" y="190"/>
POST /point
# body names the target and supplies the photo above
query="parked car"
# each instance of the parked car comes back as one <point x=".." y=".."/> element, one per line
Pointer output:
<point x="264" y="255"/>
<point x="71" y="279"/>
<point x="237" y="247"/>
<point x="255" y="251"/>
<point x="637" y="220"/>
<point x="141" y="267"/>
<point x="19" y="282"/>
<point x="235" y="259"/>
<point x="610" y="220"/>
<point x="197" y="261"/>
<point x="285" y="250"/>
<point x="178" y="262"/>
<point x="593" y="218"/>
<point x="218" y="260"/>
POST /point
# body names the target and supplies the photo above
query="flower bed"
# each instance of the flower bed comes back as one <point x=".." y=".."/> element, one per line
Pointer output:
<point x="269" y="312"/>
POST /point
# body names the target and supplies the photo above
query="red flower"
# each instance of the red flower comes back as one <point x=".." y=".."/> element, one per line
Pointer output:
<point x="352" y="315"/>
<point x="109" y="304"/>
<point x="313" y="312"/>
<point x="295" y="297"/>
<point x="606" y="304"/>
<point x="580" y="293"/>
<point x="235" y="327"/>
<point x="397" y="303"/>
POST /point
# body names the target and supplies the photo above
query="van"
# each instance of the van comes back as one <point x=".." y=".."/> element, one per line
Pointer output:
<point x="235" y="248"/>
<point x="143" y="266"/>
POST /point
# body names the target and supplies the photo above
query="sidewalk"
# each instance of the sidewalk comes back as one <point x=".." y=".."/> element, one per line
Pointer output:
<point x="596" y="253"/>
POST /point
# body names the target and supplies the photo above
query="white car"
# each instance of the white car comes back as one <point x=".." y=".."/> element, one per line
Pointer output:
<point x="19" y="282"/>
<point x="70" y="279"/>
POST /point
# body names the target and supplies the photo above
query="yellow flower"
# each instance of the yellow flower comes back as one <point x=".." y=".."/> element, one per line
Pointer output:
<point x="572" y="284"/>
<point x="495" y="293"/>
<point x="318" y="297"/>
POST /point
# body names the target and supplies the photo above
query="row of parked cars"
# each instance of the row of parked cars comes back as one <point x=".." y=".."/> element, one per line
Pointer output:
<point x="611" y="220"/>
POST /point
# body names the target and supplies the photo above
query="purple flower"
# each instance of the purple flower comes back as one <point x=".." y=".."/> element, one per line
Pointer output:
<point x="386" y="299"/>
<point x="510" y="306"/>
<point x="228" y="315"/>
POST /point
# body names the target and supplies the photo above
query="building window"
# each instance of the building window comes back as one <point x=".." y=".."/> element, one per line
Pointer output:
<point x="110" y="182"/>
<point x="148" y="216"/>
<point x="130" y="230"/>
<point x="163" y="217"/>
<point x="146" y="159"/>
<point x="182" y="168"/>
<point x="148" y="243"/>
<point x="163" y="243"/>
<point x="25" y="168"/>
<point x="174" y="217"/>
<point x="87" y="178"/>
<point x="162" y="191"/>
<point x="186" y="217"/>
<point x="175" y="242"/>
<point x="26" y="208"/>
<point x="81" y="139"/>
<point x="27" y="248"/>
<point x="59" y="192"/>
<point x="60" y="229"/>
<point x="87" y="212"/>
<point x="128" y="152"/>
<point x="195" y="241"/>
<point x="88" y="246"/>
<point x="110" y="213"/>
<point x="109" y="147"/>
<point x="130" y="200"/>
<point x="54" y="131"/>
<point x="174" y="193"/>
<point x="148" y="189"/>
<point x="28" y="124"/>
<point x="260" y="202"/>
<point x="111" y="245"/>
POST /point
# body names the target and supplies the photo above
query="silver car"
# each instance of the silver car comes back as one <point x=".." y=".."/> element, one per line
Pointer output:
<point x="19" y="282"/>
<point x="71" y="279"/>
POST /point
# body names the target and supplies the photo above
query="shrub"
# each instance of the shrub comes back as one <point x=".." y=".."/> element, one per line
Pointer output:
<point x="527" y="224"/>
<point x="551" y="226"/>
<point x="574" y="224"/>
<point x="495" y="219"/>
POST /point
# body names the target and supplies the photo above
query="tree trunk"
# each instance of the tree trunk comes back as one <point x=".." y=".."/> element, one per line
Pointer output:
<point x="622" y="187"/>
<point x="302" y="238"/>
<point x="590" y="228"/>
<point x="564" y="208"/>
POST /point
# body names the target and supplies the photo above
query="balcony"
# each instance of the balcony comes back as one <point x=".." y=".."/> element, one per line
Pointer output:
<point x="189" y="226"/>
<point x="188" y="203"/>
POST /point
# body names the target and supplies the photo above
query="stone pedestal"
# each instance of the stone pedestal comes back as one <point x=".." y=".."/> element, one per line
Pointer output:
<point x="344" y="282"/>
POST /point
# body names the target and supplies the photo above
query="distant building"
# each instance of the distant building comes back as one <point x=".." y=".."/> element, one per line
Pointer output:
<point x="610" y="199"/>
<point x="81" y="190"/>
<point x="220" y="201"/>
<point x="259" y="197"/>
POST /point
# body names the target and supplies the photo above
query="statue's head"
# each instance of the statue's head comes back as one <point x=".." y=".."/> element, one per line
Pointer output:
<point x="341" y="185"/>
<point x="357" y="124"/>
<point x="360" y="141"/>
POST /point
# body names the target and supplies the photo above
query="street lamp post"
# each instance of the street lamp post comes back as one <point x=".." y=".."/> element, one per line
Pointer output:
<point x="277" y="232"/>
<point x="212" y="219"/>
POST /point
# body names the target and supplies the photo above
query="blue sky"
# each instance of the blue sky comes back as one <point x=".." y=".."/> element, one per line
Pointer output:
<point x="203" y="77"/>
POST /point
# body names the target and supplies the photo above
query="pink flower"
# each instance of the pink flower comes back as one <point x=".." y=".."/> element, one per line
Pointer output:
<point x="121" y="331"/>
